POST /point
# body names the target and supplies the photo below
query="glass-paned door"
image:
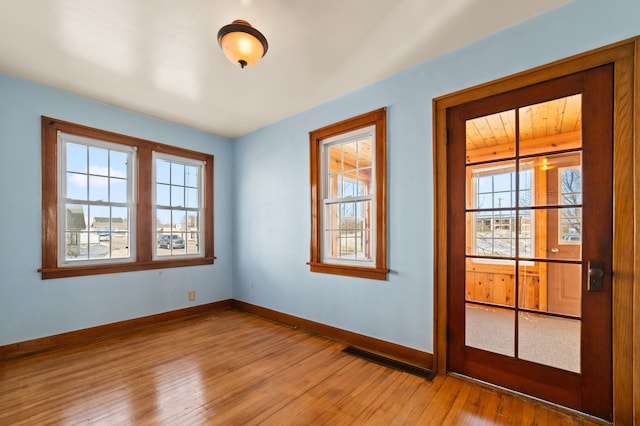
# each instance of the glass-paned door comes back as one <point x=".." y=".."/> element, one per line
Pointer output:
<point x="530" y="228"/>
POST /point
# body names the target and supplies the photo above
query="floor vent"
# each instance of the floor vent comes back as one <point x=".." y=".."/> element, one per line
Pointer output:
<point x="391" y="363"/>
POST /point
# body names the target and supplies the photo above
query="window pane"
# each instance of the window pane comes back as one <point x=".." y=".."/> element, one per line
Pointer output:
<point x="76" y="158"/>
<point x="77" y="186"/>
<point x="118" y="164"/>
<point x="77" y="217"/>
<point x="163" y="195"/>
<point x="163" y="171"/>
<point x="193" y="233"/>
<point x="364" y="182"/>
<point x="177" y="196"/>
<point x="349" y="155"/>
<point x="192" y="178"/>
<point x="335" y="158"/>
<point x="348" y="188"/>
<point x="118" y="190"/>
<point x="191" y="197"/>
<point x="365" y="153"/>
<point x="119" y="219"/>
<point x="177" y="174"/>
<point x="335" y="186"/>
<point x="163" y="217"/>
<point x="98" y="161"/>
<point x="178" y="220"/>
<point x="98" y="188"/>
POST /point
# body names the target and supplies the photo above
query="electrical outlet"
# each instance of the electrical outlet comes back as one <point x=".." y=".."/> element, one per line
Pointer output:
<point x="192" y="295"/>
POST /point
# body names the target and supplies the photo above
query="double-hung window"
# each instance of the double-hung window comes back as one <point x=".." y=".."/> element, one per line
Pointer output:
<point x="178" y="208"/>
<point x="348" y="188"/>
<point x="115" y="203"/>
<point x="96" y="201"/>
<point x="348" y="194"/>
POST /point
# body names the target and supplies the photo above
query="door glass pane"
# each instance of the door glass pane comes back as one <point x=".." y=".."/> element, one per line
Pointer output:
<point x="549" y="340"/>
<point x="551" y="126"/>
<point x="491" y="185"/>
<point x="531" y="281"/>
<point x="492" y="233"/>
<point x="564" y="288"/>
<point x="490" y="281"/>
<point x="557" y="179"/>
<point x="555" y="233"/>
<point x="490" y="328"/>
<point x="491" y="137"/>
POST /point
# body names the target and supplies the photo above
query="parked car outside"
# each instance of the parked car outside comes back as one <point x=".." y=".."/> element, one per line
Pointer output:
<point x="168" y="241"/>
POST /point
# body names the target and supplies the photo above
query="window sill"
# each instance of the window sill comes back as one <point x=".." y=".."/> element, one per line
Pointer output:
<point x="112" y="268"/>
<point x="350" y="271"/>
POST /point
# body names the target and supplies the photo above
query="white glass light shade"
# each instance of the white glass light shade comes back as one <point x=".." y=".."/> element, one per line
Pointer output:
<point x="242" y="44"/>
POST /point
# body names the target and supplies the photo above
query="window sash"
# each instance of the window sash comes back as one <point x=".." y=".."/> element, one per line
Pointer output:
<point x="326" y="234"/>
<point x="64" y="140"/>
<point x="188" y="236"/>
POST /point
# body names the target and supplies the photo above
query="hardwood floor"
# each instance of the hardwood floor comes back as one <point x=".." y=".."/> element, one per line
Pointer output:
<point x="234" y="368"/>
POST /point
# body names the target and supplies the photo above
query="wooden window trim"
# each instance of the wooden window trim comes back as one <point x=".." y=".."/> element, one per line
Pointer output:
<point x="375" y="118"/>
<point x="144" y="226"/>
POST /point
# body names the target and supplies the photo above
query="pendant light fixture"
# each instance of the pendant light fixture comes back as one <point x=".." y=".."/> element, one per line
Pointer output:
<point x="241" y="43"/>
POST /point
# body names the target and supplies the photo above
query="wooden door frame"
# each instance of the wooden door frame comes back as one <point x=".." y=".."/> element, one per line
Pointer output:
<point x="625" y="56"/>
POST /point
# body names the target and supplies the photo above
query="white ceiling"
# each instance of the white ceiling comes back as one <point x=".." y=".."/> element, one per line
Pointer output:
<point x="161" y="57"/>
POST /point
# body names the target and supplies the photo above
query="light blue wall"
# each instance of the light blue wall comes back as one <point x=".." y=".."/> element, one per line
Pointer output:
<point x="31" y="307"/>
<point x="262" y="200"/>
<point x="271" y="176"/>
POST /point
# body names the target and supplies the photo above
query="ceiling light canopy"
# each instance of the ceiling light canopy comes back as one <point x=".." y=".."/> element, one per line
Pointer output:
<point x="241" y="43"/>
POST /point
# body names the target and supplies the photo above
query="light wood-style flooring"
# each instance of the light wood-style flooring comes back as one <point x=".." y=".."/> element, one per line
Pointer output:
<point x="233" y="368"/>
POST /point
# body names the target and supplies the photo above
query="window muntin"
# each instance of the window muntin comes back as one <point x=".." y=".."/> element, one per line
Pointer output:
<point x="96" y="201"/>
<point x="178" y="206"/>
<point x="348" y="195"/>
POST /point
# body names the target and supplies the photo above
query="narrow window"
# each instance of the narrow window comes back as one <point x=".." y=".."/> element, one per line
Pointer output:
<point x="96" y="202"/>
<point x="178" y="205"/>
<point x="348" y="187"/>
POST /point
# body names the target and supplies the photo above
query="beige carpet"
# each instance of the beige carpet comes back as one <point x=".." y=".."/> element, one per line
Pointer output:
<point x="546" y="340"/>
